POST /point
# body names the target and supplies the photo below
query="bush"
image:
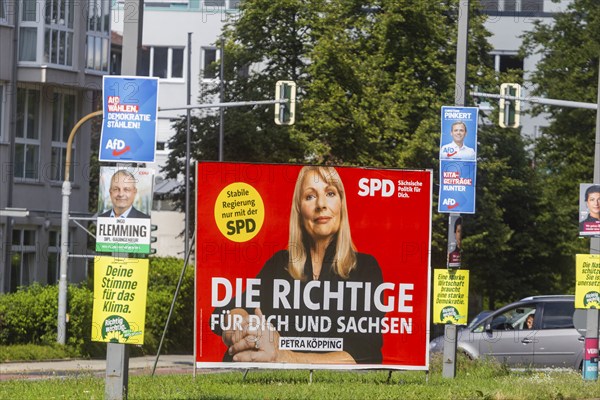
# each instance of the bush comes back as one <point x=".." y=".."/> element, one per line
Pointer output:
<point x="33" y="352"/>
<point x="29" y="315"/>
<point x="164" y="275"/>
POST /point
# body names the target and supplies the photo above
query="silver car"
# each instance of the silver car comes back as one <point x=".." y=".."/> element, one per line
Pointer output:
<point x="535" y="331"/>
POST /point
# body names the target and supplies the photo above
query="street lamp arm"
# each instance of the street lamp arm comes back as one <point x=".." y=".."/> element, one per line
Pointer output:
<point x="72" y="137"/>
<point x="539" y="100"/>
<point x="61" y="333"/>
<point x="225" y="105"/>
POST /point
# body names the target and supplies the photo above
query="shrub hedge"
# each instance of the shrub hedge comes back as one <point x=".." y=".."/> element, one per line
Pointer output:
<point x="29" y="315"/>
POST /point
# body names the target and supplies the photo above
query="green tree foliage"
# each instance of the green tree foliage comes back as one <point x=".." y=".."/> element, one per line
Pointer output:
<point x="564" y="153"/>
<point x="372" y="77"/>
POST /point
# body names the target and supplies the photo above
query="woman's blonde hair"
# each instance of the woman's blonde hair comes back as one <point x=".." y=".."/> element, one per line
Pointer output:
<point x="345" y="252"/>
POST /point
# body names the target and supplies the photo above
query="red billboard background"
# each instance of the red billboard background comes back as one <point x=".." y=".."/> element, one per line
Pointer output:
<point x="390" y="219"/>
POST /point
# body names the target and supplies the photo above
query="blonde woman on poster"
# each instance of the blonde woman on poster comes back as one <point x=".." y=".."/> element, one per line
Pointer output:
<point x="320" y="255"/>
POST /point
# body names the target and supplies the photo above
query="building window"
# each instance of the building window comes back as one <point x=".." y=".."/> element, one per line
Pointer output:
<point x="98" y="35"/>
<point x="507" y="62"/>
<point x="2" y="102"/>
<point x="3" y="11"/>
<point x="63" y="120"/>
<point x="512" y="7"/>
<point x="229" y="4"/>
<point x="22" y="261"/>
<point x="209" y="56"/>
<point x="29" y="10"/>
<point x="162" y="62"/>
<point x="53" y="257"/>
<point x="27" y="143"/>
<point x="27" y="43"/>
<point x="58" y="32"/>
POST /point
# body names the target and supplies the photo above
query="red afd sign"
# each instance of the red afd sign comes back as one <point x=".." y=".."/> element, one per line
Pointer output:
<point x="312" y="267"/>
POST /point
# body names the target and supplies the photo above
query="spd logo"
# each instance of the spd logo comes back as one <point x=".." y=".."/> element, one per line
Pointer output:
<point x="450" y="203"/>
<point x="117" y="146"/>
<point x="369" y="187"/>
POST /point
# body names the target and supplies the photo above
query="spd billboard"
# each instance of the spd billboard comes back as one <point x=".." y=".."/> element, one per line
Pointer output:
<point x="312" y="267"/>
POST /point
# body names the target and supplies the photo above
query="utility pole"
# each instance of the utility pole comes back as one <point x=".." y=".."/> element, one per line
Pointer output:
<point x="117" y="354"/>
<point x="591" y="332"/>
<point x="460" y="93"/>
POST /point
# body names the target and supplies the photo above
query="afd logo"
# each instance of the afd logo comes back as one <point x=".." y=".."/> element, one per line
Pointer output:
<point x="449" y="151"/>
<point x="450" y="203"/>
<point x="117" y="146"/>
<point x="370" y="187"/>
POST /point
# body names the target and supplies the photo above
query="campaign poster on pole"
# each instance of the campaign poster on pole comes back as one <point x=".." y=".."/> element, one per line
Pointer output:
<point x="450" y="296"/>
<point x="457" y="187"/>
<point x="119" y="309"/>
<point x="312" y="267"/>
<point x="455" y="226"/>
<point x="124" y="204"/>
<point x="589" y="209"/>
<point x="587" y="281"/>
<point x="129" y="124"/>
<point x="459" y="133"/>
<point x="458" y="159"/>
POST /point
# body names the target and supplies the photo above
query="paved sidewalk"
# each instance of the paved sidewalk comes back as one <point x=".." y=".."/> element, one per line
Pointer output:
<point x="167" y="364"/>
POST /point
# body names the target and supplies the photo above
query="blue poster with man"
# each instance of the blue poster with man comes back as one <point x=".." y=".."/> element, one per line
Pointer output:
<point x="130" y="105"/>
<point x="459" y="133"/>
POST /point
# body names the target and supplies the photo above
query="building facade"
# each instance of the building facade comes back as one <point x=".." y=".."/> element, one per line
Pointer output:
<point x="507" y="21"/>
<point x="53" y="56"/>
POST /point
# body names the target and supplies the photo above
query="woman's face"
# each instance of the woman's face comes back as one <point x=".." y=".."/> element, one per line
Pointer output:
<point x="458" y="234"/>
<point x="593" y="204"/>
<point x="320" y="207"/>
<point x="529" y="322"/>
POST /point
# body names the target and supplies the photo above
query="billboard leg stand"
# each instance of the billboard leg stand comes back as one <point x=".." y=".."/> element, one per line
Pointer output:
<point x="181" y="276"/>
<point x="245" y="375"/>
<point x="310" y="377"/>
<point x="389" y="377"/>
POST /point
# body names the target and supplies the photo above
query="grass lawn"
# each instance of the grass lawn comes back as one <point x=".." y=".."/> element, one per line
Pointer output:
<point x="474" y="380"/>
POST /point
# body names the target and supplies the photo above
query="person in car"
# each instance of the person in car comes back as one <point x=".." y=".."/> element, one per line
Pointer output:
<point x="529" y="322"/>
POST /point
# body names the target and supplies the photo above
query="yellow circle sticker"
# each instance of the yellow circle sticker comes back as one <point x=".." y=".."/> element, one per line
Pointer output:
<point x="239" y="212"/>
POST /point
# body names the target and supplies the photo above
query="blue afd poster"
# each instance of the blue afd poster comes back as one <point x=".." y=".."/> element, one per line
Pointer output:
<point x="130" y="105"/>
<point x="459" y="133"/>
<point x="457" y="187"/>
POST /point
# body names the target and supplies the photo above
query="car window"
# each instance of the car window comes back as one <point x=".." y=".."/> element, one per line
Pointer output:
<point x="513" y="319"/>
<point x="478" y="318"/>
<point x="558" y="315"/>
